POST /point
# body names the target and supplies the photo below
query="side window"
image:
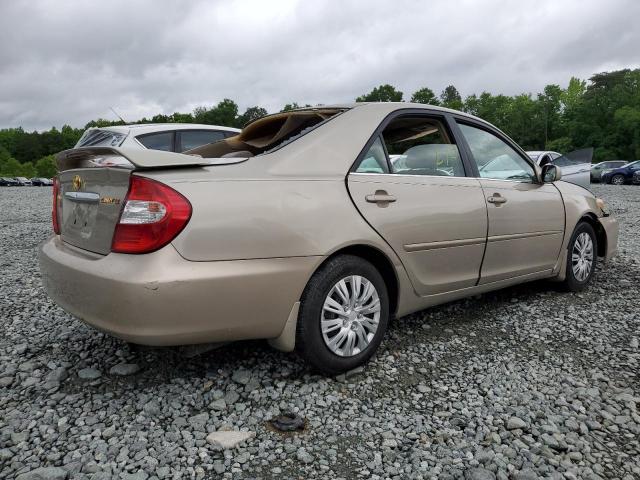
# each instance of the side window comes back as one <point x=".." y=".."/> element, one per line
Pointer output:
<point x="157" y="141"/>
<point x="189" y="139"/>
<point x="495" y="158"/>
<point x="562" y="162"/>
<point x="375" y="160"/>
<point x="420" y="145"/>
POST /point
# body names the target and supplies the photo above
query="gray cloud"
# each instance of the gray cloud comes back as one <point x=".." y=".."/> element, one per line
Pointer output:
<point x="67" y="62"/>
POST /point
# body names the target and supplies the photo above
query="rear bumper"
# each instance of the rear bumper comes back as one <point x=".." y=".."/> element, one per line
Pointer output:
<point x="610" y="226"/>
<point x="163" y="299"/>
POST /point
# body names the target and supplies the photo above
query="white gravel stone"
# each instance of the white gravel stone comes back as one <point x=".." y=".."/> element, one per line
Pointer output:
<point x="515" y="423"/>
<point x="227" y="439"/>
<point x="89" y="374"/>
<point x="45" y="473"/>
<point x="124" y="369"/>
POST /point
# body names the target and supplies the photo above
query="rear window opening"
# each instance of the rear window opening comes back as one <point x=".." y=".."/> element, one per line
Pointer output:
<point x="267" y="133"/>
<point x="98" y="137"/>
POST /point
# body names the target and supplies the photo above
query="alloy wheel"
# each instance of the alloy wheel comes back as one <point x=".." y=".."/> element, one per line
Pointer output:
<point x="617" y="180"/>
<point x="582" y="256"/>
<point x="350" y="316"/>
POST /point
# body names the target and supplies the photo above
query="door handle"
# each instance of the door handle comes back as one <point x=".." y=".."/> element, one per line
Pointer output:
<point x="381" y="197"/>
<point x="497" y="199"/>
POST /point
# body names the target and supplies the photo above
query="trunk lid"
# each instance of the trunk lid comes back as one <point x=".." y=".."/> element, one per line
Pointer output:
<point x="94" y="182"/>
<point x="89" y="205"/>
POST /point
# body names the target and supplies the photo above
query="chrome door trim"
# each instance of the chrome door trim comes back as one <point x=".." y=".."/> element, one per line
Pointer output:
<point x="416" y="247"/>
<point x="514" y="236"/>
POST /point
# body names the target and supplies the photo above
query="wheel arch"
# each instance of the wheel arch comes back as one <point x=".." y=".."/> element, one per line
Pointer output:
<point x="380" y="261"/>
<point x="601" y="235"/>
<point x="286" y="341"/>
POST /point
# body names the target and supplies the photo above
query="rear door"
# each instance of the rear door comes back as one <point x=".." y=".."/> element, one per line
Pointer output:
<point x="526" y="218"/>
<point x="410" y="184"/>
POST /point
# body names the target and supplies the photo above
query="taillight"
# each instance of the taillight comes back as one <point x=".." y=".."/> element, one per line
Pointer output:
<point x="54" y="206"/>
<point x="152" y="216"/>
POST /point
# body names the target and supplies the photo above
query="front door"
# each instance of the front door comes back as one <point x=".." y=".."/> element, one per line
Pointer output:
<point x="526" y="218"/>
<point x="410" y="185"/>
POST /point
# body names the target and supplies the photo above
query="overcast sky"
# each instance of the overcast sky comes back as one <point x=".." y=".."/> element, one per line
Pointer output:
<point x="68" y="62"/>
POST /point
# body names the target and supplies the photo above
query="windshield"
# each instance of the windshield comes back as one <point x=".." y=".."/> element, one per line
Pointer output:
<point x="96" y="137"/>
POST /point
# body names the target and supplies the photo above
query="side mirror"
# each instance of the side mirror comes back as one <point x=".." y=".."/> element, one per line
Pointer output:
<point x="551" y="173"/>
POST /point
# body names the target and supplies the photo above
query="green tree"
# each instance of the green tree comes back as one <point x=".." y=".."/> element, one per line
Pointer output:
<point x="383" y="93"/>
<point x="627" y="121"/>
<point x="27" y="170"/>
<point x="249" y="115"/>
<point x="290" y="106"/>
<point x="573" y="94"/>
<point x="451" y="98"/>
<point x="181" y="118"/>
<point x="11" y="168"/>
<point x="425" y="95"/>
<point x="46" y="167"/>
<point x="224" y="114"/>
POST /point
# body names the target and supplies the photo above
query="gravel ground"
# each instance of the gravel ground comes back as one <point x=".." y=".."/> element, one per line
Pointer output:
<point x="522" y="383"/>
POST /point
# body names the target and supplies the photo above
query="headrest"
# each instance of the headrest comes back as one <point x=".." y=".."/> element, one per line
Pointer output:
<point x="423" y="156"/>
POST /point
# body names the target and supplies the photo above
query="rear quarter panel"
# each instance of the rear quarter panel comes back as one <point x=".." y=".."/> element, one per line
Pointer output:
<point x="270" y="218"/>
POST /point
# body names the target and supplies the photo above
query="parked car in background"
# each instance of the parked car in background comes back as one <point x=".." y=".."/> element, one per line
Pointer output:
<point x="599" y="168"/>
<point x="41" y="182"/>
<point x="23" y="181"/>
<point x="301" y="229"/>
<point x="8" y="182"/>
<point x="636" y="178"/>
<point x="621" y="175"/>
<point x="575" y="165"/>
<point x="170" y="137"/>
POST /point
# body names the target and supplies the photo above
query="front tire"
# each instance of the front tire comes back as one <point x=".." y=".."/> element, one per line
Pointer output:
<point x="617" y="180"/>
<point x="581" y="258"/>
<point x="343" y="316"/>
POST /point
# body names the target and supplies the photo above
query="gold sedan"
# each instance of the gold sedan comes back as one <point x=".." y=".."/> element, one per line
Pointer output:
<point x="312" y="229"/>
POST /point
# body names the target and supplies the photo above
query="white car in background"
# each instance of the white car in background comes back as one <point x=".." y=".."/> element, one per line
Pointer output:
<point x="170" y="137"/>
<point x="575" y="166"/>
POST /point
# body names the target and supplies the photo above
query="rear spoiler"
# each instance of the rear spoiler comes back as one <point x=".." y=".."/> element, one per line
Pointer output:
<point x="132" y="158"/>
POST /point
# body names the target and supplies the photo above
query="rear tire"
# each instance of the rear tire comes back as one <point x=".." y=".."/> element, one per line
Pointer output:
<point x="617" y="180"/>
<point x="344" y="314"/>
<point x="581" y="258"/>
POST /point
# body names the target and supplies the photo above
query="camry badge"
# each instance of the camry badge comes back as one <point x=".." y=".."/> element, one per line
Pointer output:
<point x="110" y="201"/>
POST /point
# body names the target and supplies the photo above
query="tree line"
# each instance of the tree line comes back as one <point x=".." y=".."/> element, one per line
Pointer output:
<point x="603" y="112"/>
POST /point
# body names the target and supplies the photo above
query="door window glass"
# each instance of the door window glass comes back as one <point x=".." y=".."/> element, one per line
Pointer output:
<point x="157" y="141"/>
<point x="196" y="138"/>
<point x="419" y="145"/>
<point x="375" y="160"/>
<point x="495" y="158"/>
<point x="562" y="162"/>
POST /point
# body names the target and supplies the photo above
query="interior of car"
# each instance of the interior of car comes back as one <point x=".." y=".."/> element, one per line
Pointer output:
<point x="416" y="145"/>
